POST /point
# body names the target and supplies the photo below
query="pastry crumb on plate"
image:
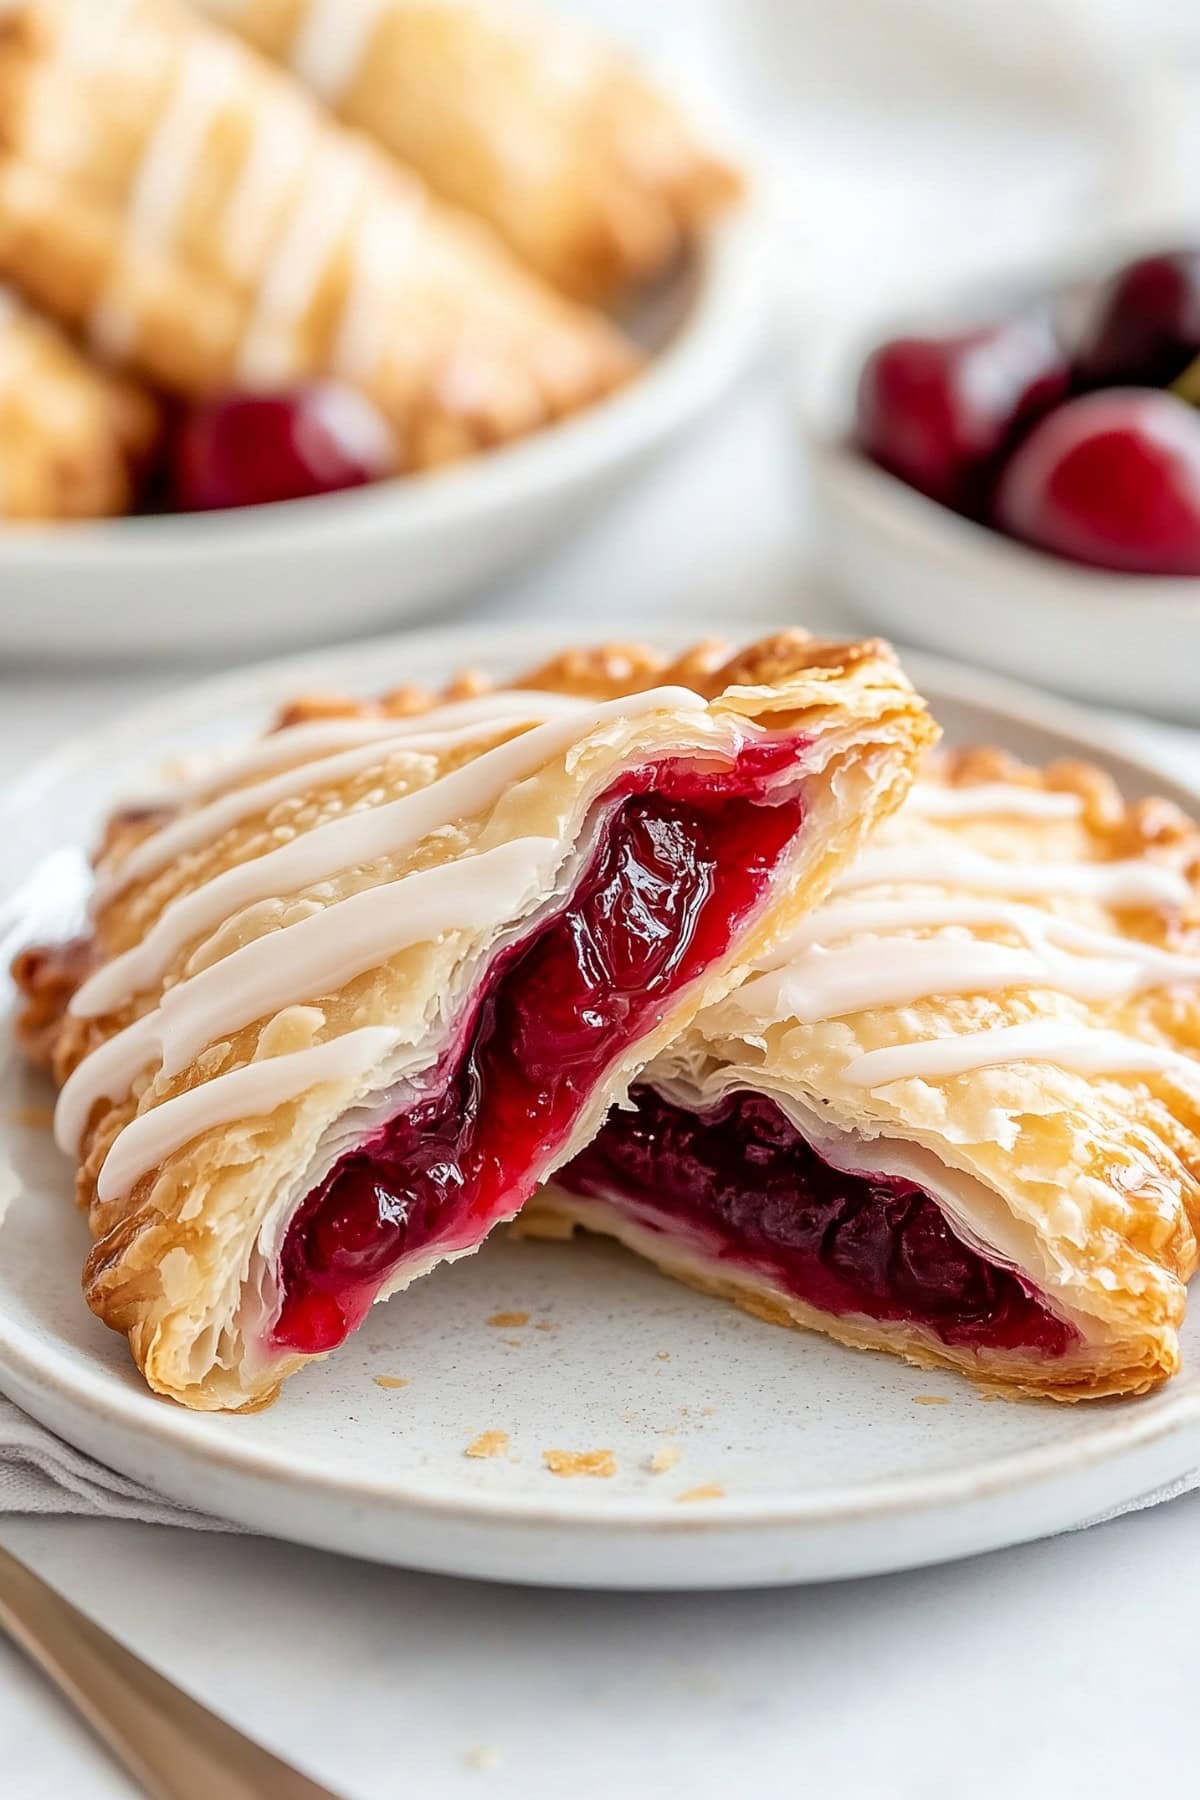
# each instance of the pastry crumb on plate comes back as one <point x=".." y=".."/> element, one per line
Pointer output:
<point x="488" y="1443"/>
<point x="580" y="1462"/>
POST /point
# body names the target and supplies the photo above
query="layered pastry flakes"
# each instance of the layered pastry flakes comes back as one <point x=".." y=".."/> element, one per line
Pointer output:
<point x="955" y="1113"/>
<point x="346" y="999"/>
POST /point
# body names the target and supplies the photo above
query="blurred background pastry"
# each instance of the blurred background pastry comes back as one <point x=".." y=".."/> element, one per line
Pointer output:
<point x="73" y="436"/>
<point x="516" y="111"/>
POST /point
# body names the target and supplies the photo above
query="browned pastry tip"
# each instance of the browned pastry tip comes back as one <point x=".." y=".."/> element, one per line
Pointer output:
<point x="46" y="976"/>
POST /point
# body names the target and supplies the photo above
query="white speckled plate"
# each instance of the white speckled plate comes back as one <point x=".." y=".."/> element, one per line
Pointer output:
<point x="811" y="1461"/>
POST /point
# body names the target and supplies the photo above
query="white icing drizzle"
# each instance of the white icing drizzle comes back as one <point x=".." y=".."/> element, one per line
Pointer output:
<point x="357" y="838"/>
<point x="170" y="156"/>
<point x="193" y="830"/>
<point x="317" y="737"/>
<point x="1080" y="1048"/>
<point x="311" y="958"/>
<point x="331" y="42"/>
<point x="807" y="981"/>
<point x="378" y="255"/>
<point x="829" y="984"/>
<point x="944" y="864"/>
<point x="282" y="133"/>
<point x="991" y="799"/>
<point x="247" y="1093"/>
<point x="336" y="184"/>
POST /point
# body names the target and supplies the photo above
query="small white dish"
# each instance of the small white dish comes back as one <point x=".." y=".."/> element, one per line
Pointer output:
<point x="828" y="1462"/>
<point x="929" y="577"/>
<point x="310" y="570"/>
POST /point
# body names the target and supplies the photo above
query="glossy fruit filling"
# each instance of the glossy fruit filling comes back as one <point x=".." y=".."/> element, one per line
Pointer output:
<point x="743" y="1180"/>
<point x="683" y="856"/>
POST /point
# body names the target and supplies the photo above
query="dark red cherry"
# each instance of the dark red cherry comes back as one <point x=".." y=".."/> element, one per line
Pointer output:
<point x="249" y="449"/>
<point x="1111" y="478"/>
<point x="1143" y="327"/>
<point x="940" y="412"/>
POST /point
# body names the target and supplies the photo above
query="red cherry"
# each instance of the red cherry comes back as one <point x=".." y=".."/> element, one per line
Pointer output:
<point x="1113" y="479"/>
<point x="940" y="412"/>
<point x="1144" y="325"/>
<point x="250" y="449"/>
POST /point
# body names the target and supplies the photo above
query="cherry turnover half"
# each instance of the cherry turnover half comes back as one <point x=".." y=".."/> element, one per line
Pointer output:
<point x="684" y="855"/>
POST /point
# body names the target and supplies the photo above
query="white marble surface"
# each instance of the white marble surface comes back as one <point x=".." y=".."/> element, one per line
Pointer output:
<point x="1065" y="1669"/>
<point x="1061" y="1669"/>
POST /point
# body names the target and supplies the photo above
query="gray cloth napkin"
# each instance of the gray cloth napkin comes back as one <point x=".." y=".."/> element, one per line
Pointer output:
<point x="41" y="1474"/>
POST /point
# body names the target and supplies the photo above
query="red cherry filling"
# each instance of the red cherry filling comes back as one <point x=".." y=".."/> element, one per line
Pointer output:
<point x="252" y="449"/>
<point x="742" y="1177"/>
<point x="674" y="872"/>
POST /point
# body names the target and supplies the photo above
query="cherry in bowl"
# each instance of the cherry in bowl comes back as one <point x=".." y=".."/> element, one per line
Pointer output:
<point x="941" y="412"/>
<point x="250" y="449"/>
<point x="1111" y="479"/>
<point x="1143" y="324"/>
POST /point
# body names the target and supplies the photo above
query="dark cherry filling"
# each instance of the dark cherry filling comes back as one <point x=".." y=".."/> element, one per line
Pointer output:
<point x="743" y="1177"/>
<point x="674" y="872"/>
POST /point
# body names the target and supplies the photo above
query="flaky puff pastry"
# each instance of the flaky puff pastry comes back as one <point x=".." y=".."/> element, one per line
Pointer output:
<point x="1000" y="1005"/>
<point x="392" y="925"/>
<point x="72" y="435"/>
<point x="515" y="111"/>
<point x="186" y="206"/>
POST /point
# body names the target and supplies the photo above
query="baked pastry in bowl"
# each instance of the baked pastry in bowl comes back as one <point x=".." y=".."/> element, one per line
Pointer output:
<point x="346" y="1000"/>
<point x="515" y="111"/>
<point x="955" y="1114"/>
<point x="72" y="435"/>
<point x="188" y="209"/>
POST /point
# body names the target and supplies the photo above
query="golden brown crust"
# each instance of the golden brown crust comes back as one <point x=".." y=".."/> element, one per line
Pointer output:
<point x="190" y="211"/>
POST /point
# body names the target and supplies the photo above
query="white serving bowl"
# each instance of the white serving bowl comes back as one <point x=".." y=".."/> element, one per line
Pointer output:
<point x="290" y="574"/>
<point x="929" y="577"/>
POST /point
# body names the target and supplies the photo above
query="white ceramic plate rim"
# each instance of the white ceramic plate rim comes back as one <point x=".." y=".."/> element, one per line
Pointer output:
<point x="1121" y="1428"/>
<point x="704" y="354"/>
